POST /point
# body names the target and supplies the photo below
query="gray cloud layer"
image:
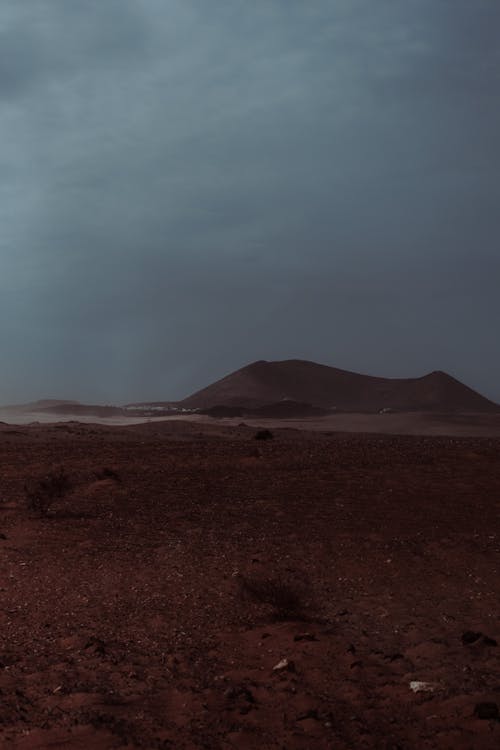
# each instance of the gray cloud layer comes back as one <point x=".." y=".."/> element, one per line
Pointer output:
<point x="186" y="186"/>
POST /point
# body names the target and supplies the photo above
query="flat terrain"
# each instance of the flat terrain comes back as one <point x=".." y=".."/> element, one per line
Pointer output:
<point x="198" y="588"/>
<point x="397" y="423"/>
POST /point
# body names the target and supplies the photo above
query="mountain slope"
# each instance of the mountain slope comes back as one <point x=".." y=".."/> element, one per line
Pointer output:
<point x="264" y="382"/>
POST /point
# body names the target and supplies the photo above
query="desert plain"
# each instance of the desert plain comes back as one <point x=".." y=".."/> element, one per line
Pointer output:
<point x="333" y="587"/>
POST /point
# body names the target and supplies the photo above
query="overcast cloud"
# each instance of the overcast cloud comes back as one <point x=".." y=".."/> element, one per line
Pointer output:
<point x="187" y="186"/>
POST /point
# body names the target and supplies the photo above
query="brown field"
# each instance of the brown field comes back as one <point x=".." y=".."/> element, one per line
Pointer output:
<point x="197" y="588"/>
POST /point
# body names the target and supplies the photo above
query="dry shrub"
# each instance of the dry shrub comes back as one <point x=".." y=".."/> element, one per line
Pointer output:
<point x="108" y="473"/>
<point x="284" y="599"/>
<point x="41" y="494"/>
<point x="263" y="435"/>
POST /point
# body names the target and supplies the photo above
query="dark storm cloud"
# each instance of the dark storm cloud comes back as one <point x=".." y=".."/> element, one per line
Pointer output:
<point x="187" y="186"/>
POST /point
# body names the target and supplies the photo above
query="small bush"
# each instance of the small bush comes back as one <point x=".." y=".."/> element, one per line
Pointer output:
<point x="41" y="494"/>
<point x="108" y="473"/>
<point x="276" y="593"/>
<point x="263" y="435"/>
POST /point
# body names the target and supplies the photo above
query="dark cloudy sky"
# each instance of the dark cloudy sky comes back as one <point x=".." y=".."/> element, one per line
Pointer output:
<point x="190" y="185"/>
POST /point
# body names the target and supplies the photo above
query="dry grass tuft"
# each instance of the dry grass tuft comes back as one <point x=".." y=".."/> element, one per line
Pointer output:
<point x="283" y="598"/>
<point x="41" y="494"/>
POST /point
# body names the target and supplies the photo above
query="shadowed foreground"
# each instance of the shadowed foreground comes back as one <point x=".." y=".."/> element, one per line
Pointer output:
<point x="200" y="589"/>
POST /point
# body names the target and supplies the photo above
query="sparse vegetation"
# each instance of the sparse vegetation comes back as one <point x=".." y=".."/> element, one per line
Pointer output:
<point x="41" y="494"/>
<point x="263" y="435"/>
<point x="284" y="599"/>
<point x="107" y="473"/>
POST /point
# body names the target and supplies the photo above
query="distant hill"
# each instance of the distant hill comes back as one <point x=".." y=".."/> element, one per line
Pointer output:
<point x="84" y="410"/>
<point x="41" y="404"/>
<point x="262" y="383"/>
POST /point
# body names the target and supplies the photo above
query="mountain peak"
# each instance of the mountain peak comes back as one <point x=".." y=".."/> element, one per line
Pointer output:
<point x="263" y="382"/>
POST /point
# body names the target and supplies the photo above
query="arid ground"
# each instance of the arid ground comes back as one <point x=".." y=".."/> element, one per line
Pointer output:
<point x="199" y="588"/>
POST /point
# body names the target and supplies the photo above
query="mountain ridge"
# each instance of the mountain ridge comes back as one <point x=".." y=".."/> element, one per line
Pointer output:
<point x="264" y="382"/>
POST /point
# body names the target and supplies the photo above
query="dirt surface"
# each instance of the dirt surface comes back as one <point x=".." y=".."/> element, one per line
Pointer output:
<point x="398" y="423"/>
<point x="197" y="588"/>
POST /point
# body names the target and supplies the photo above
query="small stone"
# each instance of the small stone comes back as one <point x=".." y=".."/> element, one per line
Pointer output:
<point x="489" y="641"/>
<point x="487" y="711"/>
<point x="241" y="694"/>
<point x="305" y="637"/>
<point x="393" y="657"/>
<point x="284" y="665"/>
<point x="419" y="686"/>
<point x="310" y="714"/>
<point x="470" y="636"/>
<point x="98" y="646"/>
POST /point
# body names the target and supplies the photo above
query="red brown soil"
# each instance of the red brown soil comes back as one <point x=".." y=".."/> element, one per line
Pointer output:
<point x="122" y="624"/>
<point x="262" y="383"/>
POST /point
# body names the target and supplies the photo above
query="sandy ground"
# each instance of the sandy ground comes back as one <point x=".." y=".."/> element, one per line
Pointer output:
<point x="200" y="589"/>
<point x="412" y="423"/>
<point x="39" y="417"/>
<point x="415" y="423"/>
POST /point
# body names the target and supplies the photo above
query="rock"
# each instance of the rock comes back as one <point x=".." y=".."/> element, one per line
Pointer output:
<point x="284" y="665"/>
<point x="98" y="647"/>
<point x="239" y="691"/>
<point x="487" y="710"/>
<point x="239" y="697"/>
<point x="419" y="686"/>
<point x="305" y="637"/>
<point x="470" y="636"/>
<point x="489" y="641"/>
<point x="172" y="662"/>
<point x="393" y="657"/>
<point x="310" y="714"/>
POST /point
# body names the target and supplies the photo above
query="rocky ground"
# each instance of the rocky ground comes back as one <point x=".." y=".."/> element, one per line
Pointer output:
<point x="198" y="588"/>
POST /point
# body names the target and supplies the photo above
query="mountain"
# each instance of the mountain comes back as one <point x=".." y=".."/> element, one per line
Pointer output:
<point x="262" y="383"/>
<point x="41" y="404"/>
